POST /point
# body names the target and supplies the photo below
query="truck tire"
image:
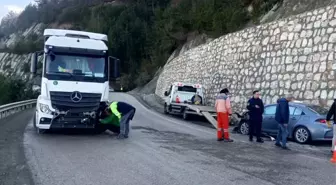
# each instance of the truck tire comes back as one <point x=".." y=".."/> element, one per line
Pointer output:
<point x="165" y="109"/>
<point x="99" y="129"/>
<point x="185" y="115"/>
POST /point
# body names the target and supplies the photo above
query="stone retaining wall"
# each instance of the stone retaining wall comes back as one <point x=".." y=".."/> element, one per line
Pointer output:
<point x="294" y="55"/>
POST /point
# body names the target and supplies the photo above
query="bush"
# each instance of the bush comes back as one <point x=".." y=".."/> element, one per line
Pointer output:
<point x="26" y="68"/>
<point x="13" y="90"/>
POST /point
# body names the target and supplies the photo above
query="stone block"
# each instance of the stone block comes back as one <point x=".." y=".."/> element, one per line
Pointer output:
<point x="284" y="36"/>
<point x="324" y="94"/>
<point x="323" y="67"/>
<point x="265" y="41"/>
<point x="317" y="24"/>
<point x="300" y="77"/>
<point x="309" y="95"/>
<point x="332" y="38"/>
<point x="302" y="59"/>
<point x="317" y="40"/>
<point x="317" y="94"/>
<point x="297" y="27"/>
<point x="317" y="77"/>
<point x="331" y="94"/>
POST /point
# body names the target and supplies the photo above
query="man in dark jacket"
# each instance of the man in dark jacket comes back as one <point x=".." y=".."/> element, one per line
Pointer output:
<point x="125" y="112"/>
<point x="332" y="114"/>
<point x="256" y="108"/>
<point x="282" y="117"/>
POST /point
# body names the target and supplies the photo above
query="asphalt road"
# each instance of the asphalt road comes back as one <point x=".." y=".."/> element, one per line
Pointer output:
<point x="165" y="150"/>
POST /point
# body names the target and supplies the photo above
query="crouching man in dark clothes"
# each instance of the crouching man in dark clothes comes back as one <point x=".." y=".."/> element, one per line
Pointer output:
<point x="256" y="109"/>
<point x="125" y="112"/>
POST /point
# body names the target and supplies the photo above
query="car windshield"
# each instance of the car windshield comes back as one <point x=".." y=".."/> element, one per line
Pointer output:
<point x="75" y="65"/>
<point x="318" y="109"/>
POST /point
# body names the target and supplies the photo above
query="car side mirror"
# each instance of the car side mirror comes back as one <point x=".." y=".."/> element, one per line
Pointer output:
<point x="33" y="63"/>
<point x="114" y="67"/>
<point x="166" y="93"/>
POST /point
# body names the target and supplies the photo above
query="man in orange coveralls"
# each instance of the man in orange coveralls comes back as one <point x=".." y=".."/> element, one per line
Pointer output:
<point x="223" y="109"/>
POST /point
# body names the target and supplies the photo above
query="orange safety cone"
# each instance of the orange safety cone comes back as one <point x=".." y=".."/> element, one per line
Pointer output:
<point x="177" y="99"/>
<point x="333" y="159"/>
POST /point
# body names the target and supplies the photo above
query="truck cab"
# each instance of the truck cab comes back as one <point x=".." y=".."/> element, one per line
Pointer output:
<point x="183" y="93"/>
<point x="76" y="72"/>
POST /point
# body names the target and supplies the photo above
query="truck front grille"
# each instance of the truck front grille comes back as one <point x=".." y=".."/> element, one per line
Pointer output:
<point x="63" y="101"/>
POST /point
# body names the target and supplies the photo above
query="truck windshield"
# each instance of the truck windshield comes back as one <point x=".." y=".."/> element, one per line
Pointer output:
<point x="76" y="65"/>
<point x="187" y="89"/>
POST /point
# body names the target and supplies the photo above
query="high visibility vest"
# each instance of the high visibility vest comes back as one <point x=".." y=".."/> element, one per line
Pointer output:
<point x="60" y="69"/>
<point x="114" y="109"/>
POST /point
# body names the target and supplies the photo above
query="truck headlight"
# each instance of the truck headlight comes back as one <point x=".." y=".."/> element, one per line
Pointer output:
<point x="45" y="108"/>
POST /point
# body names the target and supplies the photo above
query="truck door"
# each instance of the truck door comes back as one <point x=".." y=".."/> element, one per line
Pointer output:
<point x="168" y="95"/>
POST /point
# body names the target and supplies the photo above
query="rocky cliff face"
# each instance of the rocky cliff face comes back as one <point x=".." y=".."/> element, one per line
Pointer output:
<point x="293" y="55"/>
<point x="13" y="64"/>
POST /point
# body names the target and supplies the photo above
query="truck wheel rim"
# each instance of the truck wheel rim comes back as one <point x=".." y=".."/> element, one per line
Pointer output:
<point x="244" y="128"/>
<point x="301" y="135"/>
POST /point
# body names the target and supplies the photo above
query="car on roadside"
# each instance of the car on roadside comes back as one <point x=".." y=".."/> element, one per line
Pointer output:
<point x="306" y="123"/>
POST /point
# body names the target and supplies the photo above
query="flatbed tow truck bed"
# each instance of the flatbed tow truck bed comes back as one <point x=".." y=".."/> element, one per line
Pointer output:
<point x="184" y="108"/>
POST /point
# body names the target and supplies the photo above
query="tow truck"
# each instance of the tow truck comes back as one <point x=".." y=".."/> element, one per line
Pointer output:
<point x="76" y="72"/>
<point x="178" y="101"/>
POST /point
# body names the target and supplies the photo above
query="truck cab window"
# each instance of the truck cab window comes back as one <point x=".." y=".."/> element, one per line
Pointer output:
<point x="187" y="89"/>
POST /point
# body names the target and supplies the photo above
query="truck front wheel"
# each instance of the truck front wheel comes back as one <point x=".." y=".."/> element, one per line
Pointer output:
<point x="185" y="115"/>
<point x="165" y="109"/>
<point x="99" y="129"/>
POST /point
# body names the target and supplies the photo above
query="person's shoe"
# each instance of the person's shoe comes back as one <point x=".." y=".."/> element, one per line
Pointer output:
<point x="285" y="148"/>
<point x="228" y="140"/>
<point x="220" y="139"/>
<point x="120" y="136"/>
<point x="260" y="140"/>
<point x="125" y="136"/>
<point x="278" y="145"/>
<point x="251" y="139"/>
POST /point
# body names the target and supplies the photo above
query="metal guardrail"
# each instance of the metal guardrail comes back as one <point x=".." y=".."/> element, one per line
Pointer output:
<point x="9" y="109"/>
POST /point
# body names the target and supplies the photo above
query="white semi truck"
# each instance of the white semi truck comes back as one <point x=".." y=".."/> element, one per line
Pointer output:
<point x="75" y="80"/>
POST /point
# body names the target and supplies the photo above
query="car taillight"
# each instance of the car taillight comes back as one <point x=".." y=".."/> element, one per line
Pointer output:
<point x="321" y="121"/>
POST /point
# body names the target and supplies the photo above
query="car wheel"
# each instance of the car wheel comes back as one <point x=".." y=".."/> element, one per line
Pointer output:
<point x="243" y="128"/>
<point x="301" y="135"/>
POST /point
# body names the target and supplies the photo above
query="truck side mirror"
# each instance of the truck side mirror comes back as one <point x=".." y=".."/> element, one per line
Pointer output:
<point x="166" y="93"/>
<point x="33" y="63"/>
<point x="114" y="67"/>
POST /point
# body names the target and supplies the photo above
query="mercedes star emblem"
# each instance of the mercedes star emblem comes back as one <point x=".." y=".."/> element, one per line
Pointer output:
<point x="76" y="96"/>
